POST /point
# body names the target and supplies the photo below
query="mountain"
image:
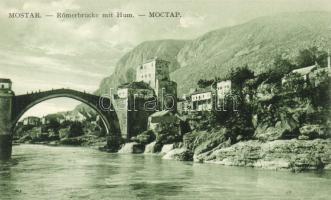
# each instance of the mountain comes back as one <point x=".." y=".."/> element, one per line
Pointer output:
<point x="254" y="43"/>
<point x="126" y="67"/>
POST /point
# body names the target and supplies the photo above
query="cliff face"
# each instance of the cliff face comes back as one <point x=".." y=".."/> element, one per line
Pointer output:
<point x="254" y="43"/>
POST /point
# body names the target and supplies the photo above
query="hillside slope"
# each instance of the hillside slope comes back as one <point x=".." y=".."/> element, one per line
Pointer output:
<point x="254" y="43"/>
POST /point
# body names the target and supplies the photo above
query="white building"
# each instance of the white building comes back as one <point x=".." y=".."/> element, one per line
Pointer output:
<point x="202" y="100"/>
<point x="306" y="72"/>
<point x="152" y="72"/>
<point x="45" y="120"/>
<point x="5" y="84"/>
<point x="34" y="121"/>
<point x="223" y="88"/>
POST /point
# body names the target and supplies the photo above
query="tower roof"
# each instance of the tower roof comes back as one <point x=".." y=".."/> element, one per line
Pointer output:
<point x="5" y="80"/>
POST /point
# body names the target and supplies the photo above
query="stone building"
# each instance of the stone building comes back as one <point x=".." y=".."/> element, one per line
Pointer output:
<point x="202" y="100"/>
<point x="222" y="89"/>
<point x="302" y="72"/>
<point x="184" y="104"/>
<point x="6" y="100"/>
<point x="130" y="102"/>
<point x="33" y="121"/>
<point x="152" y="72"/>
<point x="167" y="95"/>
<point x="155" y="72"/>
<point x="45" y="120"/>
<point x="307" y="73"/>
<point x="135" y="89"/>
<point x="5" y="84"/>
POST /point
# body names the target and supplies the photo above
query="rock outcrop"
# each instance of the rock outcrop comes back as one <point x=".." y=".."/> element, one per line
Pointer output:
<point x="293" y="154"/>
<point x="132" y="147"/>
<point x="150" y="148"/>
<point x="167" y="148"/>
<point x="181" y="154"/>
<point x="312" y="131"/>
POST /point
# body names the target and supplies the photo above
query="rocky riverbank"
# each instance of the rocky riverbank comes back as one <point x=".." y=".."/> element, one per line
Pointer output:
<point x="84" y="141"/>
<point x="295" y="155"/>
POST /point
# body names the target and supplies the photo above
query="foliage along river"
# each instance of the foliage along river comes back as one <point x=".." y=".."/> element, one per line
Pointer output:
<point x="42" y="172"/>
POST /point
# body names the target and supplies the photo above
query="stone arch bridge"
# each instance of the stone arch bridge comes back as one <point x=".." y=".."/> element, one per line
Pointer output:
<point x="12" y="108"/>
<point x="23" y="103"/>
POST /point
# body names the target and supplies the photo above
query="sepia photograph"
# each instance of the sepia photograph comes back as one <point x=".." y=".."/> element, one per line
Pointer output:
<point x="165" y="99"/>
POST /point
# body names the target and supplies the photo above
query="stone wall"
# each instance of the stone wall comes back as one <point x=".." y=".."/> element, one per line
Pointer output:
<point x="5" y="125"/>
<point x="133" y="120"/>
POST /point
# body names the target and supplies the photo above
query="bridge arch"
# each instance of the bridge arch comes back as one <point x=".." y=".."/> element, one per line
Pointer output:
<point x="22" y="103"/>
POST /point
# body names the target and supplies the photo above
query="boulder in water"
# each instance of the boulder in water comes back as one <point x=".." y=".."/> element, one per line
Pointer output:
<point x="150" y="148"/>
<point x="132" y="147"/>
<point x="166" y="148"/>
<point x="181" y="154"/>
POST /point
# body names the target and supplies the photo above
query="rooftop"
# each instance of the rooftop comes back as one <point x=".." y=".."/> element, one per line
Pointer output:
<point x="202" y="90"/>
<point x="161" y="113"/>
<point x="5" y="80"/>
<point x="135" y="85"/>
<point x="305" y="70"/>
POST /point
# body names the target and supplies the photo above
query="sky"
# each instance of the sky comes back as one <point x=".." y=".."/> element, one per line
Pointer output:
<point x="46" y="53"/>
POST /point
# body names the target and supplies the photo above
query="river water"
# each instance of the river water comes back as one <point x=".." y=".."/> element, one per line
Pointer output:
<point x="43" y="172"/>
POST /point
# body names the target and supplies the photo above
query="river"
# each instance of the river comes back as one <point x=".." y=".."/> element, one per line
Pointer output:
<point x="44" y="172"/>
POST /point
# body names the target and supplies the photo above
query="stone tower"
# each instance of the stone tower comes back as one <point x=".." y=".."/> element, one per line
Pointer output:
<point x="6" y="99"/>
<point x="155" y="72"/>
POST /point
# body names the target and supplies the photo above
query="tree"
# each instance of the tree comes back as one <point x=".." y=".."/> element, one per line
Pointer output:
<point x="281" y="66"/>
<point x="76" y="129"/>
<point x="54" y="125"/>
<point x="203" y="83"/>
<point x="239" y="75"/>
<point x="310" y="56"/>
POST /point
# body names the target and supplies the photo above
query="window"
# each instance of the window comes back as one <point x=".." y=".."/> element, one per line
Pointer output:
<point x="2" y="86"/>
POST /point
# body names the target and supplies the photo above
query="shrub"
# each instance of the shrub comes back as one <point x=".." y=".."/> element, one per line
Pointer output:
<point x="146" y="137"/>
<point x="76" y="129"/>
